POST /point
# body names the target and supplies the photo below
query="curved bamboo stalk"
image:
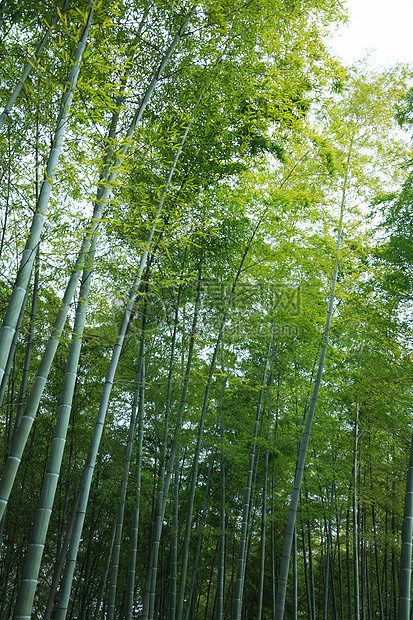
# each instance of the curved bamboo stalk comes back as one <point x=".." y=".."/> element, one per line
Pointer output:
<point x="38" y="536"/>
<point x="108" y="175"/>
<point x="124" y="484"/>
<point x="104" y="578"/>
<point x="29" y="253"/>
<point x="61" y="609"/>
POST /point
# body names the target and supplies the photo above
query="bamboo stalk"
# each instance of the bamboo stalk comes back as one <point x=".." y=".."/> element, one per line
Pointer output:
<point x="28" y="256"/>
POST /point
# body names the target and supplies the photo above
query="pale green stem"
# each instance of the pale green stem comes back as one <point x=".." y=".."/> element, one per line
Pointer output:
<point x="292" y="516"/>
<point x="29" y="253"/>
<point x="105" y="575"/>
<point x="105" y="183"/>
<point x="12" y="354"/>
<point x="242" y="552"/>
<point x="221" y="543"/>
<point x="38" y="537"/>
<point x="61" y="609"/>
<point x="124" y="485"/>
<point x="355" y="523"/>
<point x="29" y="346"/>
<point x="130" y="584"/>
<point x="299" y="472"/>
<point x="153" y="567"/>
<point x="406" y="556"/>
<point x="264" y="513"/>
<point x="60" y="560"/>
<point x="173" y="577"/>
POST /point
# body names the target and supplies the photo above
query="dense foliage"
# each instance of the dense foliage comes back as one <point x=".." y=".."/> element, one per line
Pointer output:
<point x="190" y="195"/>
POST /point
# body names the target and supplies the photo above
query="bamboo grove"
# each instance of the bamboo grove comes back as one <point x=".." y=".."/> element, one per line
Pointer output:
<point x="206" y="284"/>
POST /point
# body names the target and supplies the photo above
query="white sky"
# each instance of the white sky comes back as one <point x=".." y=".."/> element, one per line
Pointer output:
<point x="383" y="27"/>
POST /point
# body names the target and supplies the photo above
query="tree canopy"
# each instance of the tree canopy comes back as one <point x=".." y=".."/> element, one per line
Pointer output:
<point x="205" y="289"/>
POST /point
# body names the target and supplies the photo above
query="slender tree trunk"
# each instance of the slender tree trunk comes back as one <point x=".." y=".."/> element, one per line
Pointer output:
<point x="369" y="591"/>
<point x="264" y="514"/>
<point x="376" y="556"/>
<point x="124" y="484"/>
<point x="295" y="577"/>
<point x="60" y="560"/>
<point x="173" y="576"/>
<point x="328" y="541"/>
<point x="306" y="574"/>
<point x="192" y="591"/>
<point x="394" y="561"/>
<point x="311" y="570"/>
<point x="273" y="570"/>
<point x="386" y="564"/>
<point x="174" y="544"/>
<point x="7" y="201"/>
<point x="406" y="555"/>
<point x="85" y="578"/>
<point x="221" y="541"/>
<point x="19" y="291"/>
<point x="349" y="599"/>
<point x="121" y="506"/>
<point x="326" y="572"/>
<point x="15" y="551"/>
<point x="340" y="575"/>
<point x="239" y="585"/>
<point x="133" y="549"/>
<point x="102" y="586"/>
<point x="285" y="563"/>
<point x="30" y="338"/>
<point x="206" y="615"/>
<point x="69" y="473"/>
<point x="153" y="564"/>
<point x="362" y="566"/>
<point x="333" y="590"/>
<point x="355" y="525"/>
<point x="9" y="365"/>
